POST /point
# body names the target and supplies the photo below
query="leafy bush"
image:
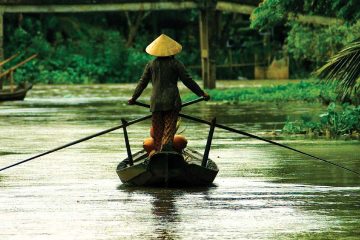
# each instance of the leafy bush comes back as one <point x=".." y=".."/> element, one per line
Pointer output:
<point x="309" y="45"/>
<point x="302" y="91"/>
<point x="332" y="123"/>
<point x="92" y="56"/>
<point x="134" y="66"/>
<point x="317" y="44"/>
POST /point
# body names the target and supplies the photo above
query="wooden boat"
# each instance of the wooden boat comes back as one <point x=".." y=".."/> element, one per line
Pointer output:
<point x="167" y="168"/>
<point x="17" y="95"/>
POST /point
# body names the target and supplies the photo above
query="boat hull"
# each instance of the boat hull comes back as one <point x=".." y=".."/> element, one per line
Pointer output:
<point x="167" y="169"/>
<point x="17" y="95"/>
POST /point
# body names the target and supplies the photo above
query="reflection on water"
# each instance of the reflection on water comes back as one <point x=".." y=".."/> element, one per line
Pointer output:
<point x="164" y="210"/>
<point x="261" y="191"/>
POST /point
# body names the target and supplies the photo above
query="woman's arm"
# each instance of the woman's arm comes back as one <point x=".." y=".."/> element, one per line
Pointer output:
<point x="189" y="82"/>
<point x="143" y="82"/>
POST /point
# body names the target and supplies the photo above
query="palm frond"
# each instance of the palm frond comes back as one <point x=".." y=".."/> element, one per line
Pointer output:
<point x="344" y="69"/>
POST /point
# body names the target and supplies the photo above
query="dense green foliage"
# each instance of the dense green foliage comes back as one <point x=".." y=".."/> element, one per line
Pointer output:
<point x="310" y="43"/>
<point x="318" y="43"/>
<point x="94" y="48"/>
<point x="344" y="69"/>
<point x="87" y="55"/>
<point x="271" y="13"/>
<point x="303" y="91"/>
<point x="334" y="122"/>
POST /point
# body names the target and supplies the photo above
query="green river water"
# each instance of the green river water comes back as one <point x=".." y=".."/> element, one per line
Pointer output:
<point x="261" y="191"/>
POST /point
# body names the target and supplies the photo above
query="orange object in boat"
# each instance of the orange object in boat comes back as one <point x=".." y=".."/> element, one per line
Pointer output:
<point x="179" y="142"/>
<point x="148" y="144"/>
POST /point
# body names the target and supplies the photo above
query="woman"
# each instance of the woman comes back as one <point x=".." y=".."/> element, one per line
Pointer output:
<point x="165" y="103"/>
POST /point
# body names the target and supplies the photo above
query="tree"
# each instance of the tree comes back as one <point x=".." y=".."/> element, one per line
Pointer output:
<point x="344" y="69"/>
<point x="313" y="41"/>
<point x="134" y="20"/>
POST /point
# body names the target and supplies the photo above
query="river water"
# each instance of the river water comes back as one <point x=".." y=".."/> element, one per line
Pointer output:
<point x="261" y="192"/>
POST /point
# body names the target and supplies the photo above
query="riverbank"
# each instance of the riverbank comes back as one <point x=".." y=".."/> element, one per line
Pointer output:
<point x="231" y="91"/>
<point x="308" y="90"/>
<point x="328" y="123"/>
<point x="338" y="120"/>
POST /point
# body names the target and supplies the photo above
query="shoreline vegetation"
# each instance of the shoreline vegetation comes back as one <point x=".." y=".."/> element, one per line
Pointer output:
<point x="340" y="119"/>
<point x="305" y="90"/>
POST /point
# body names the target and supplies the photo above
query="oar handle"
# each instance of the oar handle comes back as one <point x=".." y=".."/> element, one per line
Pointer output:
<point x="183" y="105"/>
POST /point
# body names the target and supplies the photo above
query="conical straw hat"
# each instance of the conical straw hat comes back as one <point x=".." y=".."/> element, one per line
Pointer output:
<point x="163" y="46"/>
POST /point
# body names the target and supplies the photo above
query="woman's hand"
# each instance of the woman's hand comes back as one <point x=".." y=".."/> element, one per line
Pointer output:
<point x="206" y="96"/>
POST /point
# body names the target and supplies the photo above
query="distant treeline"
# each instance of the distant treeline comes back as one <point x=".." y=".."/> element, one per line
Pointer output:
<point x="109" y="47"/>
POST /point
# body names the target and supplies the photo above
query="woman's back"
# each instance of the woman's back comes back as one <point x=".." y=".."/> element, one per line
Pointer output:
<point x="164" y="72"/>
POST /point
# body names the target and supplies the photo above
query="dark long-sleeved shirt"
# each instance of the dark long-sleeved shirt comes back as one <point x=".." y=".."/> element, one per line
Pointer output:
<point x="164" y="73"/>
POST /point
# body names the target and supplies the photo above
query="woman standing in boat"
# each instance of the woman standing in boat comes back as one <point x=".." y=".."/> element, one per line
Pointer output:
<point x="165" y="103"/>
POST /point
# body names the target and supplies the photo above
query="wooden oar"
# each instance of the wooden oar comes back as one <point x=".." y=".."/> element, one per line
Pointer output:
<point x="251" y="135"/>
<point x="77" y="141"/>
<point x="266" y="140"/>
<point x="9" y="59"/>
<point x="193" y="101"/>
<point x="17" y="65"/>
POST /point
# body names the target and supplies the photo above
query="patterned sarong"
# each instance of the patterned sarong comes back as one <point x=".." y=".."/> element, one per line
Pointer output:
<point x="164" y="125"/>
